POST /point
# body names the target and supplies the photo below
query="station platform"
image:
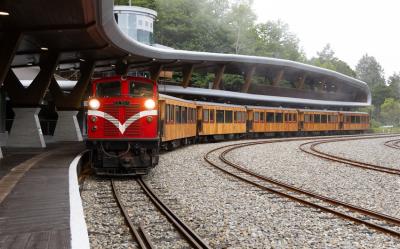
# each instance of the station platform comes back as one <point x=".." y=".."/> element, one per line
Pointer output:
<point x="35" y="196"/>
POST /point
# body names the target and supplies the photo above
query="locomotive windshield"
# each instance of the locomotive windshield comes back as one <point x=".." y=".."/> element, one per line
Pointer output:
<point x="108" y="89"/>
<point x="140" y="89"/>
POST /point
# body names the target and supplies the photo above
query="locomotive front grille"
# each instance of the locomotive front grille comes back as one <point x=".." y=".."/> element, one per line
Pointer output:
<point x="110" y="130"/>
<point x="134" y="128"/>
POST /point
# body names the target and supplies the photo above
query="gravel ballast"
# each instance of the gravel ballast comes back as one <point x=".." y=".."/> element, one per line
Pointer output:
<point x="227" y="213"/>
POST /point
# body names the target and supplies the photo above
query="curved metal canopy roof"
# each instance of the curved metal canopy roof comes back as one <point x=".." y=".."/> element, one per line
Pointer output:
<point x="86" y="30"/>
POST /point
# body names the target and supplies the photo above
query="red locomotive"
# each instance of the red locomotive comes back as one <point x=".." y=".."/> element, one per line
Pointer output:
<point x="123" y="125"/>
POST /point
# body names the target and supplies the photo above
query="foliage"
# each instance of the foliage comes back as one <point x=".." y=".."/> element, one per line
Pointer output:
<point x="370" y="71"/>
<point x="390" y="112"/>
<point x="273" y="39"/>
<point x="394" y="84"/>
<point x="326" y="59"/>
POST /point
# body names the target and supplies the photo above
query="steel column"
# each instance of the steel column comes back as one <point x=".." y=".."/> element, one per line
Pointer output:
<point x="73" y="100"/>
<point x="8" y="48"/>
<point x="34" y="94"/>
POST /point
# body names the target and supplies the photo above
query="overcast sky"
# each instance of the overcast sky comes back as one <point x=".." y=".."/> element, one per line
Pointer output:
<point x="352" y="27"/>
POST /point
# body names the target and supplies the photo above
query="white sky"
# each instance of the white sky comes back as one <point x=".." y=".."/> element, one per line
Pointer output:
<point x="352" y="27"/>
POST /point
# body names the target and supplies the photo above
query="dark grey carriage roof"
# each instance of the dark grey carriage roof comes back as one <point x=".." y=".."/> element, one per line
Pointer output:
<point x="172" y="89"/>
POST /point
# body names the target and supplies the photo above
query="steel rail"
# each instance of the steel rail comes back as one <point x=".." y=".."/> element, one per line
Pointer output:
<point x="192" y="238"/>
<point x="395" y="144"/>
<point x="363" y="165"/>
<point x="140" y="235"/>
<point x="292" y="188"/>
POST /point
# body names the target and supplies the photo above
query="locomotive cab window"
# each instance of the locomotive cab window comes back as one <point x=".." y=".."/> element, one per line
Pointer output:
<point x="108" y="89"/>
<point x="140" y="89"/>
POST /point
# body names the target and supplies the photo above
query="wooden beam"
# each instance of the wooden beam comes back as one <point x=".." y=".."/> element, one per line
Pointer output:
<point x="155" y="71"/>
<point x="218" y="76"/>
<point x="278" y="78"/>
<point x="247" y="79"/>
<point x="300" y="81"/>
<point x="187" y="72"/>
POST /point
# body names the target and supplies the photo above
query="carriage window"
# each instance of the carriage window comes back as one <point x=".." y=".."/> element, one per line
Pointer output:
<point x="220" y="116"/>
<point x="353" y="119"/>
<point x="307" y="118"/>
<point x="270" y="117"/>
<point x="205" y="115"/>
<point x="212" y="116"/>
<point x="178" y="114"/>
<point x="256" y="116"/>
<point x="262" y="117"/>
<point x="287" y="117"/>
<point x="323" y="118"/>
<point x="168" y="114"/>
<point x="279" y="117"/>
<point x="294" y="117"/>
<point x="228" y="117"/>
<point x="140" y="89"/>
<point x="184" y="115"/>
<point x="358" y="119"/>
<point x="108" y="89"/>
<point x="317" y="118"/>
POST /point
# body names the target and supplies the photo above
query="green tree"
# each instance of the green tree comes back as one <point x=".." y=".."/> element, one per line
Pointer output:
<point x="327" y="59"/>
<point x="273" y="39"/>
<point x="192" y="25"/>
<point x="390" y="112"/>
<point x="379" y="94"/>
<point x="370" y="71"/>
<point x="394" y="84"/>
<point x="241" y="19"/>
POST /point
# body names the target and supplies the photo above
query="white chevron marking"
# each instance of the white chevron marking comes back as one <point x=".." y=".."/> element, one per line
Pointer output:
<point x="122" y="127"/>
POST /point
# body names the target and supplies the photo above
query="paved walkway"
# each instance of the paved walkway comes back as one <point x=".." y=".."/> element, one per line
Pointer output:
<point x="34" y="197"/>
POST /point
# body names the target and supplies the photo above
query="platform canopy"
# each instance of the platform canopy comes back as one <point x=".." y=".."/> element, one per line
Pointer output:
<point x="85" y="30"/>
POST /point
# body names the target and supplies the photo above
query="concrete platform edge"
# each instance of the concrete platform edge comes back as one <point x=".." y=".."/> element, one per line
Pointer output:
<point x="79" y="233"/>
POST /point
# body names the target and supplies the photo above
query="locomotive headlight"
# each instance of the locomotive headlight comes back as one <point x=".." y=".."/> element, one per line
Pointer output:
<point x="149" y="104"/>
<point x="94" y="104"/>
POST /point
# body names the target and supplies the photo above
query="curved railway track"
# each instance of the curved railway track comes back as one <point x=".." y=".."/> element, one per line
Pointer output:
<point x="370" y="218"/>
<point x="138" y="232"/>
<point x="311" y="148"/>
<point x="395" y="144"/>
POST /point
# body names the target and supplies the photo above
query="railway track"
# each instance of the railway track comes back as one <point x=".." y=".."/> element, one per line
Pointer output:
<point x="375" y="220"/>
<point x="395" y="144"/>
<point x="311" y="148"/>
<point x="138" y="232"/>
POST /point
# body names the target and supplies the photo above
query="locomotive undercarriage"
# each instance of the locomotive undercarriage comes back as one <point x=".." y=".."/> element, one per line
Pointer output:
<point x="123" y="157"/>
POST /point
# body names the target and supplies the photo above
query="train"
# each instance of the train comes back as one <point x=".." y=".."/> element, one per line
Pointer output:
<point x="129" y="121"/>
